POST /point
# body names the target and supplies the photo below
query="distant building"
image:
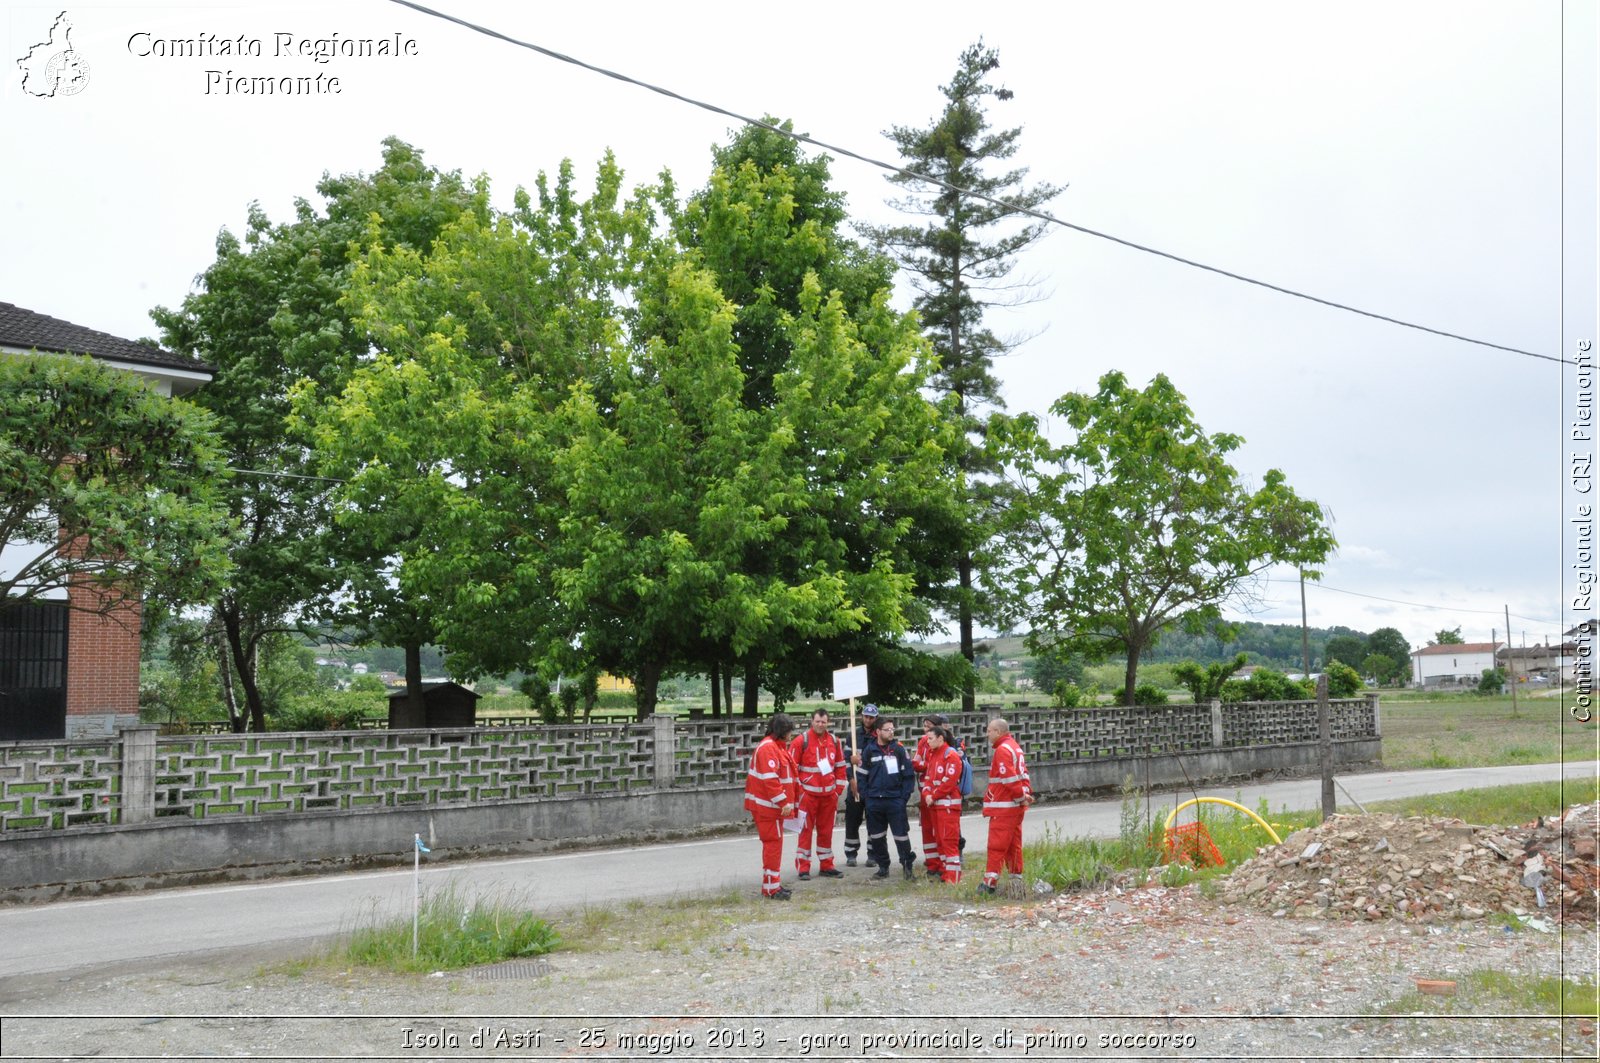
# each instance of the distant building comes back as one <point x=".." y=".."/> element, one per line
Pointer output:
<point x="1452" y="664"/>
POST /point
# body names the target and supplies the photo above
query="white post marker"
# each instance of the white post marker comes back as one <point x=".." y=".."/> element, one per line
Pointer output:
<point x="416" y="887"/>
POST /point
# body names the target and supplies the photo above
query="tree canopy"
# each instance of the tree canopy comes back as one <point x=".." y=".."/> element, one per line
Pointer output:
<point x="1139" y="523"/>
<point x="108" y="485"/>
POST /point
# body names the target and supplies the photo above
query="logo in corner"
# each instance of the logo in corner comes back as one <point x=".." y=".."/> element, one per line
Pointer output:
<point x="54" y="67"/>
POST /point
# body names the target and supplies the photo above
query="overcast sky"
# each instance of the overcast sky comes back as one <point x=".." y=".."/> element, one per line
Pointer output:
<point x="1403" y="158"/>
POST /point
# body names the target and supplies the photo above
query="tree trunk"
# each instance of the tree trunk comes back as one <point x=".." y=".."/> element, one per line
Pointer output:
<point x="1130" y="678"/>
<point x="716" y="690"/>
<point x="969" y="699"/>
<point x="752" y="687"/>
<point x="727" y="689"/>
<point x="244" y="667"/>
<point x="225" y="673"/>
<point x="416" y="707"/>
<point x="646" y="683"/>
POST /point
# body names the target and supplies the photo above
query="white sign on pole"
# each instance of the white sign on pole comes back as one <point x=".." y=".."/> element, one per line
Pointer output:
<point x="850" y="683"/>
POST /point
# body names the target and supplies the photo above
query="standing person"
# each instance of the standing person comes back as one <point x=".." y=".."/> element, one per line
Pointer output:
<point x="855" y="810"/>
<point x="820" y="760"/>
<point x="919" y="763"/>
<point x="941" y="801"/>
<point x="885" y="779"/>
<point x="771" y="793"/>
<point x="1004" y="802"/>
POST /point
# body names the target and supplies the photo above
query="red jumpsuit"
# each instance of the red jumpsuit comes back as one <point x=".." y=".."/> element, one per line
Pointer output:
<point x="930" y="845"/>
<point x="1004" y="802"/>
<point x="769" y="786"/>
<point x="941" y="809"/>
<point x="820" y="763"/>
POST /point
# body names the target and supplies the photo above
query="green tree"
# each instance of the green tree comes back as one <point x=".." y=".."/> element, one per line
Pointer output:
<point x="1204" y="682"/>
<point x="1493" y="681"/>
<point x="1343" y="681"/>
<point x="108" y="486"/>
<point x="1139" y="524"/>
<point x="270" y="316"/>
<point x="1447" y="637"/>
<point x="961" y="261"/>
<point x="1380" y="667"/>
<point x="1350" y="649"/>
<point x="1388" y="642"/>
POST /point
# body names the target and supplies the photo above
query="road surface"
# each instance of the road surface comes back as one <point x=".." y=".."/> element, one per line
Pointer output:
<point x="283" y="914"/>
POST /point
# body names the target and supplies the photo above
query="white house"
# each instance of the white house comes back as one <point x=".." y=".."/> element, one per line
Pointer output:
<point x="1452" y="664"/>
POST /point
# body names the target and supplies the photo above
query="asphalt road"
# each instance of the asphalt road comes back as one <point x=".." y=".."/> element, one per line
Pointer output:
<point x="273" y="916"/>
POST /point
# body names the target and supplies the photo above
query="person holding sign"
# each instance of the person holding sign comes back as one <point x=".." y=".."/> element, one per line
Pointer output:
<point x="886" y="781"/>
<point x="771" y="793"/>
<point x="820" y="761"/>
<point x="855" y="808"/>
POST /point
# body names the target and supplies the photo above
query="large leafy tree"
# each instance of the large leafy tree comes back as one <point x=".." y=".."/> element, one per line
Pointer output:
<point x="961" y="259"/>
<point x="269" y="315"/>
<point x="769" y="229"/>
<point x="1349" y="649"/>
<point x="107" y="486"/>
<point x="1139" y="524"/>
<point x="1388" y="643"/>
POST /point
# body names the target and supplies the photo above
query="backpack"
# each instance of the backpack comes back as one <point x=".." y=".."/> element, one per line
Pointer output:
<point x="966" y="770"/>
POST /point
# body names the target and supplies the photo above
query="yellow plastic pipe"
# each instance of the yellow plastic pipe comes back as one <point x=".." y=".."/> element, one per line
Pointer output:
<point x="1231" y="804"/>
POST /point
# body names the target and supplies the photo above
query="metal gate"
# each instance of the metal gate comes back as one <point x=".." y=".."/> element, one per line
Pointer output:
<point x="33" y="671"/>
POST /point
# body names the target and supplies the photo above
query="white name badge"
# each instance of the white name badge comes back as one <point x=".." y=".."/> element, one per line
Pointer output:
<point x="824" y="765"/>
<point x="891" y="765"/>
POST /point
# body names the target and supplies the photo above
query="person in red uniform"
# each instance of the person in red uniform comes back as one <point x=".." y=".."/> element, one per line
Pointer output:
<point x="1004" y="802"/>
<point x="820" y="761"/>
<point x="771" y="793"/>
<point x="919" y="763"/>
<point x="941" y="801"/>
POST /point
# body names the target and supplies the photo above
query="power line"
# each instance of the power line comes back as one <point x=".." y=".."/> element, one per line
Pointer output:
<point x="1417" y="605"/>
<point x="1004" y="204"/>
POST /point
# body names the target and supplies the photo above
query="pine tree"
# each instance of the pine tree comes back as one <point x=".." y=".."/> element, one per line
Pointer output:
<point x="960" y="260"/>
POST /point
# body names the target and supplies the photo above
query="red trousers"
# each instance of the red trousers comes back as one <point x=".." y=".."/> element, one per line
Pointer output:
<point x="769" y="828"/>
<point x="1005" y="844"/>
<point x="820" y="811"/>
<point x="930" y="841"/>
<point x="945" y="825"/>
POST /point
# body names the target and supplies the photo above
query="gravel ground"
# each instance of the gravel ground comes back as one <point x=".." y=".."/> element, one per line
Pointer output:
<point x="859" y="969"/>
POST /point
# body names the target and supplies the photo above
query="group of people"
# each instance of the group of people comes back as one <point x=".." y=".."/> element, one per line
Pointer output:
<point x="800" y="778"/>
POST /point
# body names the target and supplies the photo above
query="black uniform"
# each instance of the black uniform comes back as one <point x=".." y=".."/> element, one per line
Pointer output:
<point x="887" y="781"/>
<point x="855" y="810"/>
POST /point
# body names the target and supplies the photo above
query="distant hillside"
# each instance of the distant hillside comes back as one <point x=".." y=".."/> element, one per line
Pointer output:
<point x="1271" y="644"/>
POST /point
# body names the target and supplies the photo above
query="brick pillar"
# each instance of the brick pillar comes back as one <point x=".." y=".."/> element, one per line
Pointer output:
<point x="1377" y="728"/>
<point x="665" y="743"/>
<point x="102" y="665"/>
<point x="138" y="774"/>
<point x="1216" y="723"/>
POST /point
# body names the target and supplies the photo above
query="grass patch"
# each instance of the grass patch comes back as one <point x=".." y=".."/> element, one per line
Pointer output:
<point x="452" y="932"/>
<point x="1500" y="991"/>
<point x="1456" y="731"/>
<point x="677" y="925"/>
<point x="1499" y="806"/>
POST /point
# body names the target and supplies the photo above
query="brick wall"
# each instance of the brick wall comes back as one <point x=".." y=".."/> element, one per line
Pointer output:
<point x="102" y="663"/>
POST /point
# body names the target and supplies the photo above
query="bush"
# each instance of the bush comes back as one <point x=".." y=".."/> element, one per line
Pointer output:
<point x="569" y="702"/>
<point x="1343" y="681"/>
<point x="540" y="700"/>
<point x="1493" y="681"/>
<point x="1067" y="695"/>
<point x="341" y="710"/>
<point x="1266" y="685"/>
<point x="1149" y="694"/>
<point x="1205" y="682"/>
<point x="453" y="932"/>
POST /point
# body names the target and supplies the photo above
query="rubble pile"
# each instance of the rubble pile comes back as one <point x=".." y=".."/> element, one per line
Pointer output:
<point x="1426" y="869"/>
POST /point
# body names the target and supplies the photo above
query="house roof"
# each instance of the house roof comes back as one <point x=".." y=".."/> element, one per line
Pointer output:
<point x="1456" y="647"/>
<point x="27" y="329"/>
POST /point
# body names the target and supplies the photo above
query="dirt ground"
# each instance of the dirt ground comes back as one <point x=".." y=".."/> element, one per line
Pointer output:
<point x="860" y="969"/>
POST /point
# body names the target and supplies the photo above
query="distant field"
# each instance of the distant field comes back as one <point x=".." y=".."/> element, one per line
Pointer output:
<point x="1481" y="732"/>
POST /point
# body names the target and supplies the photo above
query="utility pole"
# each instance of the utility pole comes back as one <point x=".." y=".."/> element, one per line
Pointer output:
<point x="1511" y="669"/>
<point x="1305" y="636"/>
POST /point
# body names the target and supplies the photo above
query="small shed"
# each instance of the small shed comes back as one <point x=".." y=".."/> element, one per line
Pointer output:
<point x="444" y="705"/>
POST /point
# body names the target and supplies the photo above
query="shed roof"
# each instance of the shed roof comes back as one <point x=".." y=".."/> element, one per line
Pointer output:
<point x="428" y="688"/>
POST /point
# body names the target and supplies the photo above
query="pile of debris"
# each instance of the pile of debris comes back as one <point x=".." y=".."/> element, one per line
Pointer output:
<point x="1427" y="869"/>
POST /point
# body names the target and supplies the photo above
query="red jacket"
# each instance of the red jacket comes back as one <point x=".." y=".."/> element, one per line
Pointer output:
<point x="941" y="777"/>
<point x="919" y="759"/>
<point x="809" y="752"/>
<point x="1008" y="778"/>
<point x="771" y="782"/>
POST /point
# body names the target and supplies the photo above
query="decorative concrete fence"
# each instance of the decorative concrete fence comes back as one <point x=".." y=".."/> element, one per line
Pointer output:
<point x="532" y="785"/>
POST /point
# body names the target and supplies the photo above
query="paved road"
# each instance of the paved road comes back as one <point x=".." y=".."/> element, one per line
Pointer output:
<point x="290" y="913"/>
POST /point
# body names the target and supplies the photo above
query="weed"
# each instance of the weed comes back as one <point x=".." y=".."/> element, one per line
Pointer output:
<point x="451" y="932"/>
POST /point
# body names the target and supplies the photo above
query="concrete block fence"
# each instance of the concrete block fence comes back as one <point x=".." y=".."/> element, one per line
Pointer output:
<point x="136" y="806"/>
